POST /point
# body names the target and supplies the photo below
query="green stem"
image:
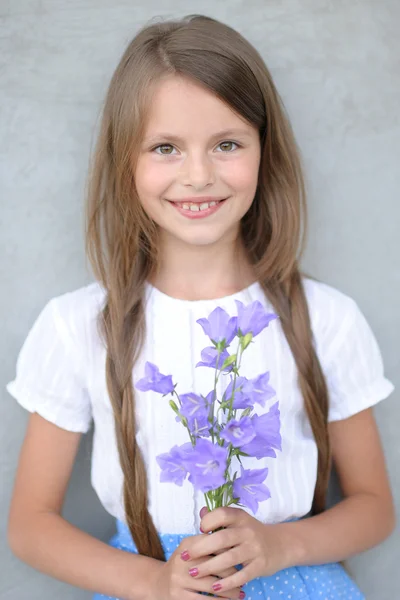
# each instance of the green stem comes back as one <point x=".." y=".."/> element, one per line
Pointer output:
<point x="211" y="414"/>
<point x="222" y="496"/>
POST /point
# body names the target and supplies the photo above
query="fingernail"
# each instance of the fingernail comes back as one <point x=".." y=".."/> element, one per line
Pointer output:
<point x="242" y="595"/>
<point x="201" y="529"/>
<point x="185" y="555"/>
<point x="193" y="572"/>
<point x="203" y="511"/>
<point x="217" y="587"/>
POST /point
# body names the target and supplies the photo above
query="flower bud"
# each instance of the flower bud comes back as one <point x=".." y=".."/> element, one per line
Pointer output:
<point x="246" y="340"/>
<point x="229" y="361"/>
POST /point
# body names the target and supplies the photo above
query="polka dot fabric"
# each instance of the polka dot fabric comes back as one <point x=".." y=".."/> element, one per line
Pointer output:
<point x="323" y="582"/>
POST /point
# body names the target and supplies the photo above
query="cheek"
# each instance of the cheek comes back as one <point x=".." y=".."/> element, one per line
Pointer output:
<point x="151" y="179"/>
<point x="243" y="177"/>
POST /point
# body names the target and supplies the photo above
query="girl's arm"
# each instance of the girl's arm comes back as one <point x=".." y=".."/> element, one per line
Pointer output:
<point x="39" y="535"/>
<point x="366" y="516"/>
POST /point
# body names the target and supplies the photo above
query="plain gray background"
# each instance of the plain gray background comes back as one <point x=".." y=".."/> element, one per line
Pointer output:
<point x="336" y="64"/>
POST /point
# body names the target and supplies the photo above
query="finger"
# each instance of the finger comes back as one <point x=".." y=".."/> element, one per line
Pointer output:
<point x="190" y="595"/>
<point x="238" y="580"/>
<point x="195" y="563"/>
<point x="214" y="543"/>
<point x="187" y="542"/>
<point x="218" y="565"/>
<point x="206" y="584"/>
<point x="226" y="572"/>
<point x="223" y="573"/>
<point x="222" y="517"/>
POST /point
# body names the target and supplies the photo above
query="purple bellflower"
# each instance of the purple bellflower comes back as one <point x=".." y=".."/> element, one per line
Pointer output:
<point x="250" y="489"/>
<point x="259" y="389"/>
<point x="238" y="432"/>
<point x="219" y="326"/>
<point x="195" y="409"/>
<point x="268" y="437"/>
<point x="171" y="465"/>
<point x="250" y="391"/>
<point x="154" y="381"/>
<point x="240" y="399"/>
<point x="209" y="358"/>
<point x="220" y="438"/>
<point x="206" y="463"/>
<point x="253" y="318"/>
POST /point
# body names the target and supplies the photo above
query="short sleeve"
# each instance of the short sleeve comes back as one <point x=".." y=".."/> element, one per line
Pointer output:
<point x="354" y="371"/>
<point x="48" y="379"/>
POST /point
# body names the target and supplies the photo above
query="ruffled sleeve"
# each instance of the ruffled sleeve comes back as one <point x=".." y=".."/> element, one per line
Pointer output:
<point x="49" y="378"/>
<point x="354" y="368"/>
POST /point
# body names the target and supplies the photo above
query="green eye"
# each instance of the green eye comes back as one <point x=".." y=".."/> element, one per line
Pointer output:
<point x="227" y="146"/>
<point x="165" y="149"/>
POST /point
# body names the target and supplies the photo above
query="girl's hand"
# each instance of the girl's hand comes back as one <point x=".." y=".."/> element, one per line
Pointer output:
<point x="178" y="578"/>
<point x="261" y="549"/>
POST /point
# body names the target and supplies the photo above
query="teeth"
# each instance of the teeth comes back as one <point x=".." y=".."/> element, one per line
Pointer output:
<point x="195" y="207"/>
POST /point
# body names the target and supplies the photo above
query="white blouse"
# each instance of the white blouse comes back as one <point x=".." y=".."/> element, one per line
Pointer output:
<point x="61" y="376"/>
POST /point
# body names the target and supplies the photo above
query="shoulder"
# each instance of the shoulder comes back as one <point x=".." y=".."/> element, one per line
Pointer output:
<point x="82" y="302"/>
<point x="332" y="313"/>
<point x="73" y="314"/>
<point x="321" y="297"/>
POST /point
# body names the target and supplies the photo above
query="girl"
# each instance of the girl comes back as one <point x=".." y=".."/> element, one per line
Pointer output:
<point x="196" y="199"/>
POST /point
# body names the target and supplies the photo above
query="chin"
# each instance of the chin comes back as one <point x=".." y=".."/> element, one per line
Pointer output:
<point x="200" y="240"/>
<point x="209" y="236"/>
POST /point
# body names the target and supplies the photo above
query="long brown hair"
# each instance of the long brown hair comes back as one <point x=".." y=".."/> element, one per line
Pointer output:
<point x="122" y="241"/>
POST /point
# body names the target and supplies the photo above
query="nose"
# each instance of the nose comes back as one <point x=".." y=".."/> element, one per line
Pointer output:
<point x="197" y="171"/>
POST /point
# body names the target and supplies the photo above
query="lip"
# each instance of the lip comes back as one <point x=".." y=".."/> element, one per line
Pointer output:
<point x="200" y="214"/>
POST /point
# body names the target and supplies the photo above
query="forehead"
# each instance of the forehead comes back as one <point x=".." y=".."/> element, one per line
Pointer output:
<point x="186" y="108"/>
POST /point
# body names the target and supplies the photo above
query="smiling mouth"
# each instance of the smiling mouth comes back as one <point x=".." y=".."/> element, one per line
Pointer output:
<point x="202" y="208"/>
<point x="196" y="206"/>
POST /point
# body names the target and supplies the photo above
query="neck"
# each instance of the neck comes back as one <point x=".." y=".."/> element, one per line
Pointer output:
<point x="202" y="272"/>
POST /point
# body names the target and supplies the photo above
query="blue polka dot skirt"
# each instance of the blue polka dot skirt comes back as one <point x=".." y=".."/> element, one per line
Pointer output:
<point x="322" y="582"/>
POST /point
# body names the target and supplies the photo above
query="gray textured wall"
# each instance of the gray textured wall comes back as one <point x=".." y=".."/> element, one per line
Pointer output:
<point x="336" y="65"/>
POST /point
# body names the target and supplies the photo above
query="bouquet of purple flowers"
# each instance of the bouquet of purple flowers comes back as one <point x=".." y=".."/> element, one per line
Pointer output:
<point x="223" y="430"/>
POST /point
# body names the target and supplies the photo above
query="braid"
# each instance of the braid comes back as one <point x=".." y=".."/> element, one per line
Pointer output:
<point x="290" y="302"/>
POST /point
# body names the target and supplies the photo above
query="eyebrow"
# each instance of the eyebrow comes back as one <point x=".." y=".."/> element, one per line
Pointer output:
<point x="226" y="133"/>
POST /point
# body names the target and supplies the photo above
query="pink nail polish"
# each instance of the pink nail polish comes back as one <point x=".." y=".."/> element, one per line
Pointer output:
<point x="242" y="595"/>
<point x="193" y="572"/>
<point x="185" y="555"/>
<point x="217" y="587"/>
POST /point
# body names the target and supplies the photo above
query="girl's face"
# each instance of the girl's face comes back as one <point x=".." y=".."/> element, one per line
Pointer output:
<point x="197" y="170"/>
